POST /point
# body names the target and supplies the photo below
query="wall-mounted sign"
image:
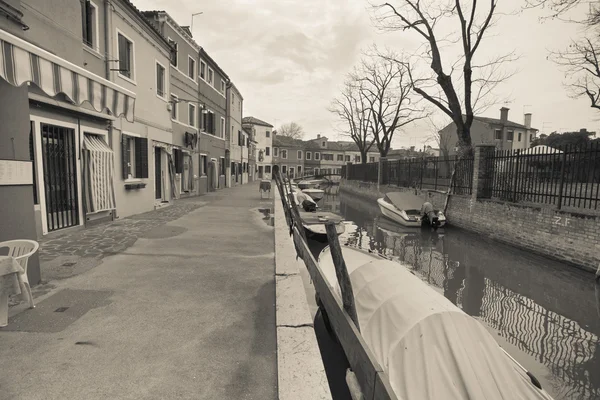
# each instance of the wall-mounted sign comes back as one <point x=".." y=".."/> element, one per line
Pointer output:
<point x="14" y="172"/>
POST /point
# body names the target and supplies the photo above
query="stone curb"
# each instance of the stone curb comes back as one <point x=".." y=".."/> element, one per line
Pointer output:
<point x="301" y="374"/>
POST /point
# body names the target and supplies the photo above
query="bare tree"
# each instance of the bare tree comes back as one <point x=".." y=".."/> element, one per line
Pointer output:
<point x="292" y="129"/>
<point x="438" y="87"/>
<point x="386" y="87"/>
<point x="354" y="112"/>
<point x="581" y="62"/>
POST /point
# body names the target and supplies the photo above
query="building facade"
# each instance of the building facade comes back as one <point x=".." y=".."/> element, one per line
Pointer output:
<point x="288" y="155"/>
<point x="182" y="102"/>
<point x="212" y="90"/>
<point x="505" y="134"/>
<point x="252" y="168"/>
<point x="261" y="131"/>
<point x="238" y="140"/>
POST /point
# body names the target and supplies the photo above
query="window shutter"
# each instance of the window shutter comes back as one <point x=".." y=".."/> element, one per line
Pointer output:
<point x="141" y="157"/>
<point x="239" y="138"/>
<point x="125" y="155"/>
<point x="178" y="161"/>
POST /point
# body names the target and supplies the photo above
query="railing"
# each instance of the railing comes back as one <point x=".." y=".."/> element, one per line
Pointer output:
<point x="565" y="177"/>
<point x="424" y="173"/>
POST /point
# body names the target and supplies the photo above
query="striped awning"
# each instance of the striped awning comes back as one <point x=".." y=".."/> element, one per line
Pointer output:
<point x="22" y="62"/>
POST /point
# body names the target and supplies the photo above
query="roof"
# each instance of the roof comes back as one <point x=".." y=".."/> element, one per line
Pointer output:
<point x="255" y="121"/>
<point x="541" y="149"/>
<point x="286" y="141"/>
<point x="185" y="33"/>
<point x="496" y="121"/>
<point x="149" y="24"/>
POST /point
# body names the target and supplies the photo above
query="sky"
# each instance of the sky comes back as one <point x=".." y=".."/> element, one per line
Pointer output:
<point x="289" y="59"/>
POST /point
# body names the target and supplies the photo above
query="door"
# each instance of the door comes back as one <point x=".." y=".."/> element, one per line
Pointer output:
<point x="60" y="176"/>
<point x="260" y="172"/>
<point x="211" y="176"/>
<point x="158" y="173"/>
<point x="292" y="172"/>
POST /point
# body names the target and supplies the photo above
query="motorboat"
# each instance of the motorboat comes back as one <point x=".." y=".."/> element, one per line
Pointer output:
<point x="313" y="223"/>
<point x="307" y="184"/>
<point x="428" y="347"/>
<point x="315" y="194"/>
<point x="407" y="209"/>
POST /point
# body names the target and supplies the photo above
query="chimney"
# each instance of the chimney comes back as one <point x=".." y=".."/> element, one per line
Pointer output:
<point x="318" y="136"/>
<point x="504" y="114"/>
<point x="527" y="121"/>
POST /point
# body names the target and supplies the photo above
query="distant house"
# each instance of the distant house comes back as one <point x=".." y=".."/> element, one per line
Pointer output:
<point x="503" y="133"/>
<point x="262" y="134"/>
<point x="288" y="155"/>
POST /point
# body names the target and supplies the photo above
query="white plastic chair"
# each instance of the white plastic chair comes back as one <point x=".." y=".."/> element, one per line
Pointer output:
<point x="21" y="250"/>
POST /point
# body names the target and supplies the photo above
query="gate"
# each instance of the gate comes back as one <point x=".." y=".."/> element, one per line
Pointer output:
<point x="60" y="176"/>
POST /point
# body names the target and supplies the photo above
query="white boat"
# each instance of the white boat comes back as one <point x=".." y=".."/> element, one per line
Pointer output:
<point x="314" y="224"/>
<point x="428" y="347"/>
<point x="315" y="194"/>
<point x="307" y="184"/>
<point x="405" y="209"/>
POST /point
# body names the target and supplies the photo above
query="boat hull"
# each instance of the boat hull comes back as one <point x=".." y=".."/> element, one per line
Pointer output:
<point x="390" y="212"/>
<point x="318" y="232"/>
<point x="315" y="194"/>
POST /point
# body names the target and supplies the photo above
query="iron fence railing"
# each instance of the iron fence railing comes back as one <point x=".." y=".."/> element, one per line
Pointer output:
<point x="423" y="173"/>
<point x="564" y="177"/>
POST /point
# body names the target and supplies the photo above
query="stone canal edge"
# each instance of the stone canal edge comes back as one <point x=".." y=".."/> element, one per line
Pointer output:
<point x="301" y="373"/>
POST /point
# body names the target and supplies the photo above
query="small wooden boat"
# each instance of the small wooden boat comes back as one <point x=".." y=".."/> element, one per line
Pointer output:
<point x="314" y="224"/>
<point x="307" y="184"/>
<point x="406" y="209"/>
<point x="428" y="347"/>
<point x="315" y="194"/>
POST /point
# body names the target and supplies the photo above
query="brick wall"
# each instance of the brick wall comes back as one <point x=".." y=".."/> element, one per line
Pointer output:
<point x="565" y="236"/>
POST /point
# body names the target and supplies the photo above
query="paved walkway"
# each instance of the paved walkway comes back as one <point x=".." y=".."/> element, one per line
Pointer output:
<point x="175" y="303"/>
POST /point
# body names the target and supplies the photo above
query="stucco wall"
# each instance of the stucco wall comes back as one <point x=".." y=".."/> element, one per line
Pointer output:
<point x="16" y="212"/>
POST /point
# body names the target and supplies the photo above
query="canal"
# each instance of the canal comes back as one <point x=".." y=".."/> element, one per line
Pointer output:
<point x="542" y="312"/>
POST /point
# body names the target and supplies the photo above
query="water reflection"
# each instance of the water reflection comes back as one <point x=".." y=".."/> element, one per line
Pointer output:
<point x="545" y="314"/>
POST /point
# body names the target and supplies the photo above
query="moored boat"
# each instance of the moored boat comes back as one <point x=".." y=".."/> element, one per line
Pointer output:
<point x="407" y="209"/>
<point x="307" y="184"/>
<point x="428" y="347"/>
<point x="313" y="223"/>
<point x="315" y="194"/>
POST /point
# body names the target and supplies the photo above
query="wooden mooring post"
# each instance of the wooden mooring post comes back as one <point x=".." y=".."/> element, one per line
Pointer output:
<point x="341" y="271"/>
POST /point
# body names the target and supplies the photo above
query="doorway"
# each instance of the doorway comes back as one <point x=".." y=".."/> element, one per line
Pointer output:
<point x="158" y="173"/>
<point x="260" y="172"/>
<point x="60" y="176"/>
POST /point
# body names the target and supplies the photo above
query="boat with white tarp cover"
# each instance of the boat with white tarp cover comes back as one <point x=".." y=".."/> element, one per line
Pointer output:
<point x="428" y="347"/>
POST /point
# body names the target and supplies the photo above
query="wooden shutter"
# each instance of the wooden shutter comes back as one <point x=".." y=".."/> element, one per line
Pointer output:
<point x="141" y="157"/>
<point x="125" y="155"/>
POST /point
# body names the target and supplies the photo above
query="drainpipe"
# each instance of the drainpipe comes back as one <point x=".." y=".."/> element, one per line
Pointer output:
<point x="107" y="39"/>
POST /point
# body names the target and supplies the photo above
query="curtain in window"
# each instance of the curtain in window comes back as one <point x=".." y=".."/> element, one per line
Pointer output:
<point x="99" y="172"/>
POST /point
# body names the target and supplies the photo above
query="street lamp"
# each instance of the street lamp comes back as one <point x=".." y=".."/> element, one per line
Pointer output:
<point x="192" y="25"/>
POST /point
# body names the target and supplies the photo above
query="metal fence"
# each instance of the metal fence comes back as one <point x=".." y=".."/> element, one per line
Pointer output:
<point x="565" y="177"/>
<point x="423" y="173"/>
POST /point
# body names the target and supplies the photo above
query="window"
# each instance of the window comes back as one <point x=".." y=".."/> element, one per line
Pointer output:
<point x="326" y="157"/>
<point x="222" y="86"/>
<point x="371" y="159"/>
<point x="530" y="137"/>
<point x="203" y="164"/>
<point x="191" y="68"/>
<point x="210" y="76"/>
<point x="134" y="156"/>
<point x="232" y="97"/>
<point x="202" y="70"/>
<point x="323" y="144"/>
<point x="160" y="80"/>
<point x="347" y="159"/>
<point x="356" y="159"/>
<point x="174" y="52"/>
<point x="192" y="115"/>
<point x="519" y="136"/>
<point x="299" y="154"/>
<point x="89" y="21"/>
<point x="308" y="155"/>
<point x="284" y="169"/>
<point x="498" y="134"/>
<point x="209" y="122"/>
<point x="340" y="157"/>
<point x="283" y="154"/>
<point x="222" y="128"/>
<point x="268" y="168"/>
<point x="317" y="156"/>
<point x="174" y="107"/>
<point x="510" y="135"/>
<point x="268" y="134"/>
<point x="222" y="165"/>
<point x="268" y="151"/>
<point x="125" y="57"/>
<point x="275" y="151"/>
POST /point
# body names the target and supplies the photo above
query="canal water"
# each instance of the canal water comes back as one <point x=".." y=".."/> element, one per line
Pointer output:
<point x="542" y="312"/>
